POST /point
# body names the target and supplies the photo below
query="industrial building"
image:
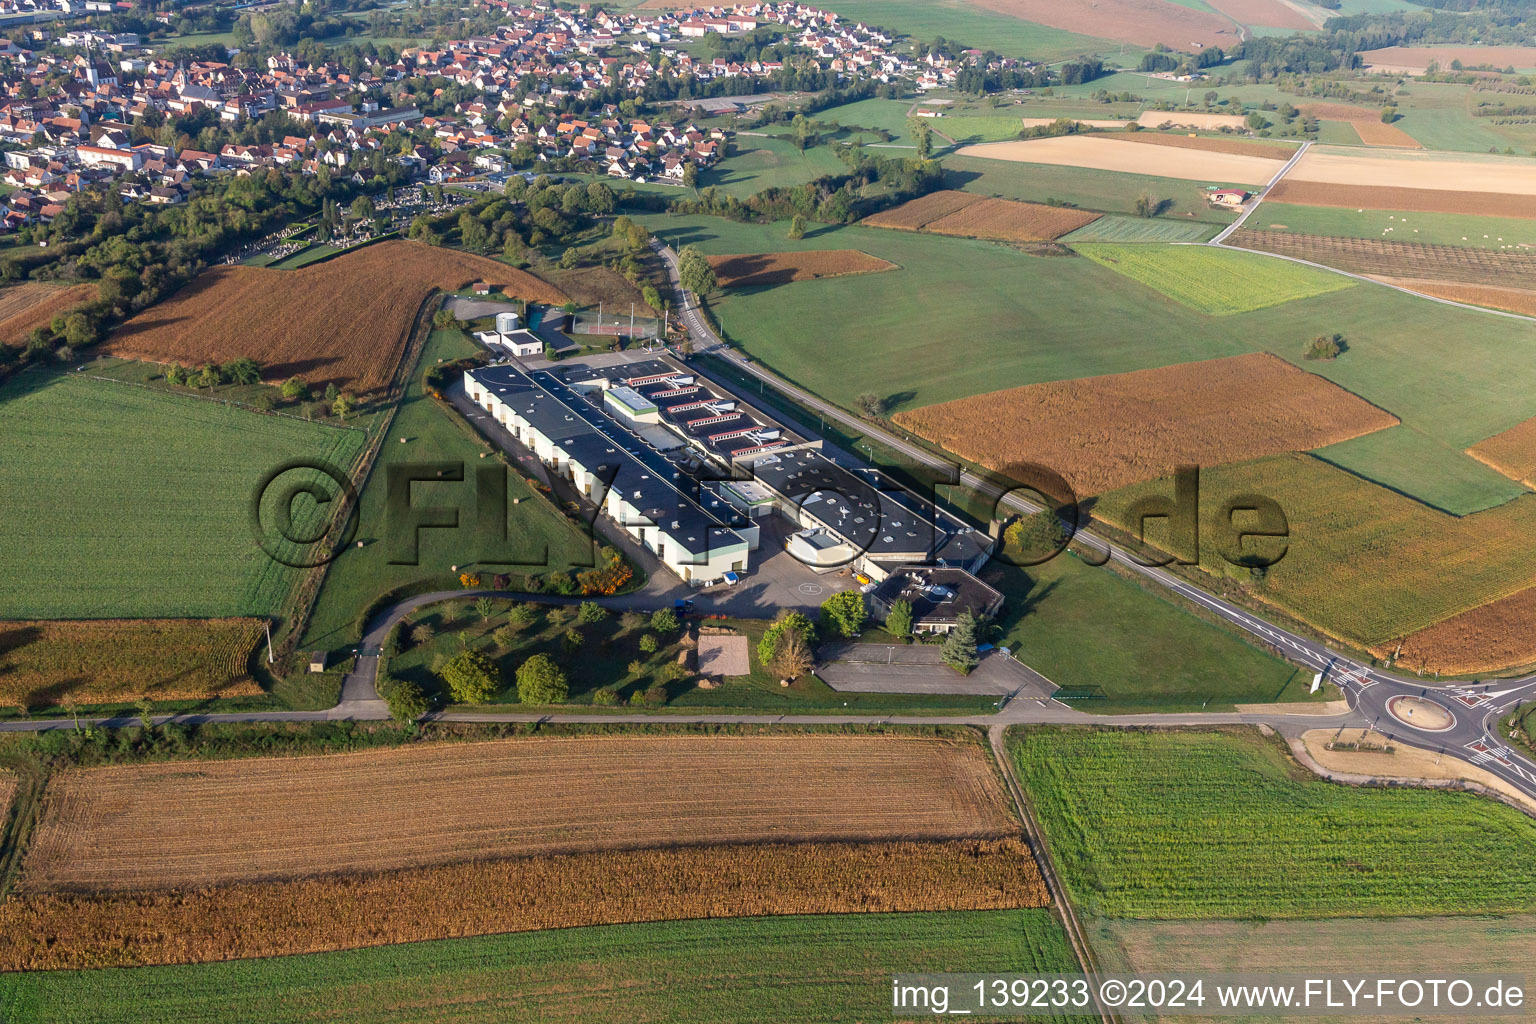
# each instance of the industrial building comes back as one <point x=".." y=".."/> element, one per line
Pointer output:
<point x="731" y="462"/>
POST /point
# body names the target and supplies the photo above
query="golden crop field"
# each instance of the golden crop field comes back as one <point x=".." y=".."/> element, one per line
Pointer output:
<point x="1211" y="144"/>
<point x="1483" y="639"/>
<point x="216" y="822"/>
<point x="1512" y="452"/>
<point x="1411" y="200"/>
<point x="107" y="661"/>
<point x="1010" y="221"/>
<point x="345" y="320"/>
<point x="1364" y="564"/>
<point x="52" y="931"/>
<point x="1453" y="172"/>
<point x="1113" y="153"/>
<point x="1516" y="300"/>
<point x="914" y="213"/>
<point x="34" y="303"/>
<point x="1101" y="433"/>
<point x="769" y="268"/>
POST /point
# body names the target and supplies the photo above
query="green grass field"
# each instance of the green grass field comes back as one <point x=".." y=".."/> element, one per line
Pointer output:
<point x="1438" y="114"/>
<point x="971" y="26"/>
<point x="1104" y="191"/>
<point x="125" y="502"/>
<point x="1122" y="229"/>
<point x="1215" y="281"/>
<point x="784" y="969"/>
<point x="1192" y="825"/>
<point x="305" y="256"/>
<point x="362" y="574"/>
<point x="758" y="162"/>
<point x="1429" y="228"/>
<point x="1410" y="461"/>
<point x="1145" y="653"/>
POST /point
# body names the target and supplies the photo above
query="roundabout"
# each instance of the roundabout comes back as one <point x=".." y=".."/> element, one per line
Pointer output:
<point x="1421" y="713"/>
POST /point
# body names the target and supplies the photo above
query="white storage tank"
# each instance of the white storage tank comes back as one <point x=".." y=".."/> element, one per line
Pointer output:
<point x="506" y="323"/>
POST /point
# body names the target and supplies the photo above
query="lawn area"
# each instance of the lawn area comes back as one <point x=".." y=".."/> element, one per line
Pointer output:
<point x="128" y="502"/>
<point x="1089" y="188"/>
<point x="431" y="435"/>
<point x="673" y="971"/>
<point x="972" y="27"/>
<point x="1215" y="281"/>
<point x="1207" y="824"/>
<point x="1090" y="630"/>
<point x="305" y="256"/>
<point x="1428" y="228"/>
<point x="758" y="162"/>
<point x="1411" y="462"/>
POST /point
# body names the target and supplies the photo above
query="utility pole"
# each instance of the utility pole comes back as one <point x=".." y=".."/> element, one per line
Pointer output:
<point x="269" y="641"/>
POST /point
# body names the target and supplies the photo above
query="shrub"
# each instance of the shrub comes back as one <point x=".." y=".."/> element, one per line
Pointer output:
<point x="421" y="633"/>
<point x="1325" y="346"/>
<point x="631" y="620"/>
<point x="590" y="612"/>
<point x="572" y="640"/>
<point x="505" y="636"/>
<point x="605" y="698"/>
<point x="522" y="615"/>
<point x="471" y="677"/>
<point x="405" y="699"/>
<point x="648" y="643"/>
<point x="540" y="681"/>
<point x="664" y="620"/>
<point x="655" y="694"/>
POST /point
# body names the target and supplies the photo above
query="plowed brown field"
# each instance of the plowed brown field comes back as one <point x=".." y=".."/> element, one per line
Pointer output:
<point x="1010" y="221"/>
<point x="1516" y="300"/>
<point x="215" y="822"/>
<point x="1101" y="433"/>
<point x="1523" y="58"/>
<point x="1144" y="22"/>
<point x="61" y="930"/>
<point x="1209" y="144"/>
<point x="914" y="213"/>
<point x="1488" y="638"/>
<point x="1512" y="453"/>
<point x="769" y="268"/>
<point x="1397" y="259"/>
<point x="1411" y="200"/>
<point x="1376" y="133"/>
<point x="33" y="304"/>
<point x="104" y="661"/>
<point x="344" y="321"/>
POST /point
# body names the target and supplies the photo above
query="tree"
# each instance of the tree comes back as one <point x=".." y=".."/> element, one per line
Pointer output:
<point x="331" y="391"/>
<point x="959" y="650"/>
<point x="922" y="137"/>
<point x="540" y="681"/>
<point x="1388" y="115"/>
<point x="210" y="377"/>
<point x="690" y="174"/>
<point x="898" y="621"/>
<point x="1257" y="121"/>
<point x="774" y="636"/>
<point x="342" y="406"/>
<point x="843" y="613"/>
<point x="664" y="620"/>
<point x="421" y="633"/>
<point x="872" y="405"/>
<point x="797" y="227"/>
<point x="295" y="389"/>
<point x="243" y="371"/>
<point x="1324" y="346"/>
<point x="694" y="271"/>
<point x="590" y="612"/>
<point x="1038" y="535"/>
<point x="176" y="375"/>
<point x="569" y="259"/>
<point x="648" y="643"/>
<point x="472" y="677"/>
<point x="793" y="658"/>
<point x="572" y="640"/>
<point x="484" y="606"/>
<point x="1147" y="205"/>
<point x="405" y="699"/>
<point x="522" y="615"/>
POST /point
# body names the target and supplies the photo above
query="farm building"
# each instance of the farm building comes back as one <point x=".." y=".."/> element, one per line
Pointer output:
<point x="938" y="596"/>
<point x="1228" y="197"/>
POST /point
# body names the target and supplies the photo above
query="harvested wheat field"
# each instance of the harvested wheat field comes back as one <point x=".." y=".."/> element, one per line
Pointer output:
<point x="1522" y="58"/>
<point x="1408" y="200"/>
<point x="344" y="321"/>
<point x="1210" y="144"/>
<point x="152" y="826"/>
<point x="1269" y="13"/>
<point x="1115" y="154"/>
<point x="1490" y="637"/>
<point x="116" y="661"/>
<point x="1101" y="433"/>
<point x="33" y="304"/>
<point x="913" y="214"/>
<point x="1375" y="133"/>
<point x="1511" y="452"/>
<point x="1010" y="221"/>
<point x="1191" y="119"/>
<point x="1515" y="300"/>
<point x="64" y="930"/>
<point x="1144" y="22"/>
<point x="1451" y="172"/>
<point x="1089" y="122"/>
<point x="770" y="268"/>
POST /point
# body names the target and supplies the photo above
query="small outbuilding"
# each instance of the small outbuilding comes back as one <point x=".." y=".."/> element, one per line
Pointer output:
<point x="317" y="661"/>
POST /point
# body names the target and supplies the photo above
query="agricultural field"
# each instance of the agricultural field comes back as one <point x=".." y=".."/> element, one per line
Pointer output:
<point x="1101" y="433"/>
<point x="1396" y="260"/>
<point x="1496" y="233"/>
<point x="1360" y="198"/>
<point x="106" y="661"/>
<point x="1409" y="461"/>
<point x="1513" y="300"/>
<point x="1214" y="281"/>
<point x="758" y="162"/>
<point x="1440" y="115"/>
<point x="345" y="321"/>
<point x="977" y="25"/>
<point x="1365" y="564"/>
<point x="1210" y="144"/>
<point x="1366" y="123"/>
<point x="1488" y="638"/>
<point x="109" y="487"/>
<point x="33" y="304"/>
<point x="599" y="286"/>
<point x="670" y="971"/>
<point x="153" y="826"/>
<point x="760" y="270"/>
<point x="1106" y="153"/>
<point x="1452" y="172"/>
<point x="971" y="216"/>
<point x="430" y="433"/>
<point x="1147" y="654"/>
<point x="498" y="893"/>
<point x="1119" y="228"/>
<point x="1511" y="453"/>
<point x="1178" y="825"/>
<point x="1141" y="23"/>
<point x="1418" y="58"/>
<point x="1104" y="191"/>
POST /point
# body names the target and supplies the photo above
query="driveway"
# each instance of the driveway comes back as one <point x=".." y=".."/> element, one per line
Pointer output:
<point x="917" y="668"/>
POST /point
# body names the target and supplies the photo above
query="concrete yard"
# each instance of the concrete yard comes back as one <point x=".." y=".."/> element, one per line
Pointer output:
<point x="917" y="668"/>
